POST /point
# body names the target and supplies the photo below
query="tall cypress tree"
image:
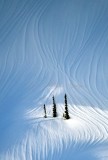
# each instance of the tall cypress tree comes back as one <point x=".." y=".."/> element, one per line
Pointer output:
<point x="66" y="114"/>
<point x="54" y="108"/>
<point x="45" y="111"/>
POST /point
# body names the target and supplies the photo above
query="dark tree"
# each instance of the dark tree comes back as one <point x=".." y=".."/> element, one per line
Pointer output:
<point x="54" y="108"/>
<point x="66" y="114"/>
<point x="45" y="111"/>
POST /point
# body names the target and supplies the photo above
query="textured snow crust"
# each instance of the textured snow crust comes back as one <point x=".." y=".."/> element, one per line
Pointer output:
<point x="53" y="47"/>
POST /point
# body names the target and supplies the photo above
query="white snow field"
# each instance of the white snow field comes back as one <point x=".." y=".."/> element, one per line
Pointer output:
<point x="53" y="47"/>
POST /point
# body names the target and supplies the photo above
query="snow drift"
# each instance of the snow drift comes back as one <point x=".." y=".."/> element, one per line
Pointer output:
<point x="51" y="48"/>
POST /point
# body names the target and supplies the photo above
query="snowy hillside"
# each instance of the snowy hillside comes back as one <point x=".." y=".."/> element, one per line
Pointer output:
<point x="53" y="47"/>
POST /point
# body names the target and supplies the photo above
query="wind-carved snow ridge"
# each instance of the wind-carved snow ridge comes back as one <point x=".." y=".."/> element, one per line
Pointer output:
<point x="44" y="136"/>
<point x="51" y="48"/>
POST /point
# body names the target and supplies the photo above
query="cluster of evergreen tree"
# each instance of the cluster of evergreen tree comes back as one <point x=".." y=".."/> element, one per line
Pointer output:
<point x="54" y="109"/>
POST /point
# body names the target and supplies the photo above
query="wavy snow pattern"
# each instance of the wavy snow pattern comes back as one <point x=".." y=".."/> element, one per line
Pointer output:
<point x="50" y="48"/>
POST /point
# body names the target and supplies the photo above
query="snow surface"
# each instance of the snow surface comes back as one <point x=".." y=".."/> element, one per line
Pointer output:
<point x="53" y="47"/>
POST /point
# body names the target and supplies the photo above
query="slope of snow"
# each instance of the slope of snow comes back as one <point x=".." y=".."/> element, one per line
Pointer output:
<point x="51" y="48"/>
